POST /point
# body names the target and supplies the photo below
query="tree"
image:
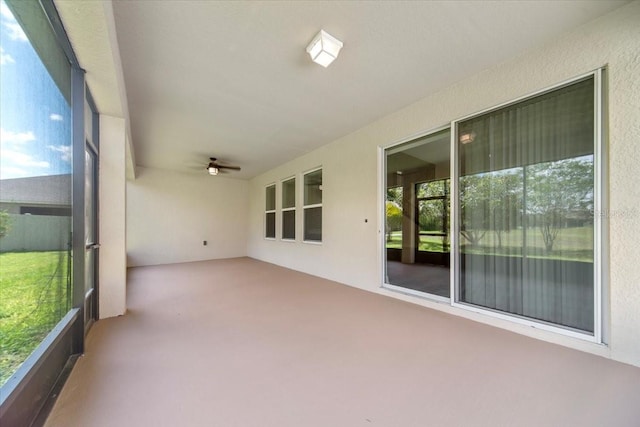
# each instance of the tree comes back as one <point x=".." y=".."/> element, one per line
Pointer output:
<point x="393" y="211"/>
<point x="394" y="218"/>
<point x="5" y="223"/>
<point x="505" y="201"/>
<point x="557" y="191"/>
<point x="490" y="201"/>
<point x="474" y="207"/>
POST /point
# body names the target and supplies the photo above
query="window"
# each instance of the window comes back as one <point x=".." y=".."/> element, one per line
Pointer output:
<point x="289" y="209"/>
<point x="433" y="216"/>
<point x="526" y="201"/>
<point x="313" y="206"/>
<point x="270" y="212"/>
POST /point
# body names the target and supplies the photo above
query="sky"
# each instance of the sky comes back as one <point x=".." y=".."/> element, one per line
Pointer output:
<point x="35" y="118"/>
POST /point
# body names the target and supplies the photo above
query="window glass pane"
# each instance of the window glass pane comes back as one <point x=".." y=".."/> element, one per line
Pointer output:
<point x="313" y="224"/>
<point x="526" y="208"/>
<point x="289" y="193"/>
<point x="35" y="192"/>
<point x="270" y="225"/>
<point x="271" y="198"/>
<point x="313" y="188"/>
<point x="289" y="224"/>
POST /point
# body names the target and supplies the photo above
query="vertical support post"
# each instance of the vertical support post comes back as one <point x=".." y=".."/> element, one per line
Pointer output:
<point x="78" y="201"/>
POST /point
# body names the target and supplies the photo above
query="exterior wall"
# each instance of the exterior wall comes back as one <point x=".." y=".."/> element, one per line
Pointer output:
<point x="170" y="214"/>
<point x="351" y="250"/>
<point x="112" y="279"/>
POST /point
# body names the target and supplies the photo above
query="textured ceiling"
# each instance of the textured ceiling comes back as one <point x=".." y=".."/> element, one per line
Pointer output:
<point x="233" y="80"/>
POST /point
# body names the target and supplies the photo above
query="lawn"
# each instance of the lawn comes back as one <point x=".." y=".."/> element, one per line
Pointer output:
<point x="33" y="298"/>
<point x="572" y="244"/>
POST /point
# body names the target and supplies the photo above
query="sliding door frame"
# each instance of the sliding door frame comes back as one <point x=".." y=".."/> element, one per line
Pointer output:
<point x="598" y="259"/>
<point x="600" y="289"/>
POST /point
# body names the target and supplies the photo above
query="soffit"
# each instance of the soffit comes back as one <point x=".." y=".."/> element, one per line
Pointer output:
<point x="87" y="29"/>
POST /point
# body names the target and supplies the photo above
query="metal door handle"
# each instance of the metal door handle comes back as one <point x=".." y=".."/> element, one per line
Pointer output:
<point x="93" y="246"/>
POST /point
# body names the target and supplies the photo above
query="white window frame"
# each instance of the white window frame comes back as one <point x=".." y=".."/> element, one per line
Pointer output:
<point x="289" y="209"/>
<point x="317" y="205"/>
<point x="268" y="211"/>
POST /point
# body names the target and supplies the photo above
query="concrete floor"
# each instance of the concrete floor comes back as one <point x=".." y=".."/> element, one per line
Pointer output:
<point x="243" y="343"/>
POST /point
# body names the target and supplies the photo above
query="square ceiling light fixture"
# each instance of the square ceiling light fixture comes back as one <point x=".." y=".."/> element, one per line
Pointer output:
<point x="324" y="48"/>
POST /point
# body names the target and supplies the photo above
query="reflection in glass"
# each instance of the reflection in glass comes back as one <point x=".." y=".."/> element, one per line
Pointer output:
<point x="313" y="188"/>
<point x="526" y="208"/>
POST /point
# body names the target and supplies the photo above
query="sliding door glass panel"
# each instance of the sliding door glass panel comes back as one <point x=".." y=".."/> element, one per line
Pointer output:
<point x="417" y="214"/>
<point x="35" y="186"/>
<point x="526" y="198"/>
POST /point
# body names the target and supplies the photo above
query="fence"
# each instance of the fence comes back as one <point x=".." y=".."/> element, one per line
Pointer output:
<point x="37" y="233"/>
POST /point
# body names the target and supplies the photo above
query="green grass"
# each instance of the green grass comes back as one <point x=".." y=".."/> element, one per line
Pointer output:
<point x="572" y="244"/>
<point x="33" y="298"/>
<point x="427" y="243"/>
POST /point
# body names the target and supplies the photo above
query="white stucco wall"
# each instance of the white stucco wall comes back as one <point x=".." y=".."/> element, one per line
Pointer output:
<point x="170" y="214"/>
<point x="351" y="251"/>
<point x="112" y="254"/>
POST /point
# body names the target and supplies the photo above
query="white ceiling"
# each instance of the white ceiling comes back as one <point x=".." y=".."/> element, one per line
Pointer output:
<point x="233" y="80"/>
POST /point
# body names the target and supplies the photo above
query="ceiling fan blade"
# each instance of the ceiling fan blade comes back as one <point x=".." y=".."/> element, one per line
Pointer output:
<point x="235" y="168"/>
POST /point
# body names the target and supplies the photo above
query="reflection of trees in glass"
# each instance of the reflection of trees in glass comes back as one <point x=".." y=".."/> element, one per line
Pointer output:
<point x="394" y="211"/>
<point x="505" y="203"/>
<point x="474" y="207"/>
<point x="559" y="193"/>
<point x="490" y="201"/>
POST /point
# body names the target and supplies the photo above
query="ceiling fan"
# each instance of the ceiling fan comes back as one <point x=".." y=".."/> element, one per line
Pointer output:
<point x="214" y="168"/>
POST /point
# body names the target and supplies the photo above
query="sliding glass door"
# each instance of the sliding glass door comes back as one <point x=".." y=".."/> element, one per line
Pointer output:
<point x="417" y="215"/>
<point x="510" y="199"/>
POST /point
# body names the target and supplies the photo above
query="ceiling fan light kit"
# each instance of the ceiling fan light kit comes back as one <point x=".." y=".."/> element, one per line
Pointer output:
<point x="215" y="168"/>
